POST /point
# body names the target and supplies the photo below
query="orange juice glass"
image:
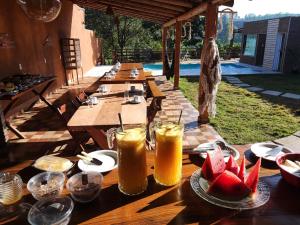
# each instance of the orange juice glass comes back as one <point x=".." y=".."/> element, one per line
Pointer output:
<point x="168" y="155"/>
<point x="132" y="168"/>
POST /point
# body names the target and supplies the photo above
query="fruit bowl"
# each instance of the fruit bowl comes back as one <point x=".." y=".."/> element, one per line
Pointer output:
<point x="288" y="174"/>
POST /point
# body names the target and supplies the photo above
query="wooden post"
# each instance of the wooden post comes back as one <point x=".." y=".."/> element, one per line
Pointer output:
<point x="211" y="22"/>
<point x="164" y="39"/>
<point x="177" y="54"/>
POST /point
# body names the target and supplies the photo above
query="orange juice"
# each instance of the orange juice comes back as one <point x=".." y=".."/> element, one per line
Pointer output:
<point x="132" y="169"/>
<point x="168" y="156"/>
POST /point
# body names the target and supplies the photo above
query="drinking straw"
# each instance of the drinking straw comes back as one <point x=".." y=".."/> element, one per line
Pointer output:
<point x="121" y="123"/>
<point x="179" y="117"/>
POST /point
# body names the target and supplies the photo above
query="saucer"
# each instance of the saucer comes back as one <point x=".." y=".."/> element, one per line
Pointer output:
<point x="108" y="157"/>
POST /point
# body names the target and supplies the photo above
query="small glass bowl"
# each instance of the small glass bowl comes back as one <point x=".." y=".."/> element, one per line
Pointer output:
<point x="46" y="185"/>
<point x="51" y="211"/>
<point x="85" y="189"/>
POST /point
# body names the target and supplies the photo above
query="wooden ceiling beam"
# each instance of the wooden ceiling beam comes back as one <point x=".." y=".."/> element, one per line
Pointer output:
<point x="161" y="5"/>
<point x="183" y="3"/>
<point x="104" y="7"/>
<point x="196" y="11"/>
<point x="191" y="13"/>
<point x="132" y="6"/>
<point x="126" y="13"/>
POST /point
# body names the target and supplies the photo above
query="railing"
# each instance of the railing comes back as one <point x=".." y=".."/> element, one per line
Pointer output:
<point x="150" y="55"/>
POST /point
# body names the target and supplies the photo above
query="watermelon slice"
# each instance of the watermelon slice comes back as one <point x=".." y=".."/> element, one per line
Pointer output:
<point x="242" y="171"/>
<point x="228" y="186"/>
<point x="232" y="166"/>
<point x="213" y="165"/>
<point x="252" y="178"/>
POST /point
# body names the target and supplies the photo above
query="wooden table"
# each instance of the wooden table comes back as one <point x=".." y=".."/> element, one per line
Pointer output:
<point x="123" y="76"/>
<point x="104" y="115"/>
<point x="17" y="99"/>
<point x="130" y="66"/>
<point x="178" y="204"/>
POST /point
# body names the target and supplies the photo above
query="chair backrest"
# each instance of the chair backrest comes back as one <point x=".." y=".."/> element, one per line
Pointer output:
<point x="82" y="97"/>
<point x="65" y="111"/>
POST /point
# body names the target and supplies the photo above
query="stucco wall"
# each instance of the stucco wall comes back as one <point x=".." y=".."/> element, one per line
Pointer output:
<point x="37" y="44"/>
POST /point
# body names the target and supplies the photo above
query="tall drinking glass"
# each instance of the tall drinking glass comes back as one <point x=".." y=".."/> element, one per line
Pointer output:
<point x="132" y="168"/>
<point x="168" y="152"/>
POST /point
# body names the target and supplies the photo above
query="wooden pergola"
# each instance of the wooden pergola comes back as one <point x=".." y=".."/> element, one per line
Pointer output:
<point x="167" y="13"/>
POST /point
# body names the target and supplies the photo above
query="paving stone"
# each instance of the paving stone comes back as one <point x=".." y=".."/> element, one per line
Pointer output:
<point x="242" y="85"/>
<point x="273" y="93"/>
<point x="297" y="133"/>
<point x="292" y="142"/>
<point x="254" y="89"/>
<point x="235" y="82"/>
<point x="291" y="95"/>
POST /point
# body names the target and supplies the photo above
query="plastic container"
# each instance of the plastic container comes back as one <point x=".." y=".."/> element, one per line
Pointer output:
<point x="85" y="187"/>
<point x="46" y="185"/>
<point x="51" y="211"/>
<point x="287" y="175"/>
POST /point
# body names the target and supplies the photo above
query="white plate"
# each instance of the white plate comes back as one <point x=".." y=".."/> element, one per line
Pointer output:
<point x="260" y="149"/>
<point x="200" y="187"/>
<point x="227" y="153"/>
<point x="108" y="157"/>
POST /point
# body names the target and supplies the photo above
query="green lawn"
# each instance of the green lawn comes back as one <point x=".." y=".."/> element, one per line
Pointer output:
<point x="245" y="117"/>
<point x="285" y="82"/>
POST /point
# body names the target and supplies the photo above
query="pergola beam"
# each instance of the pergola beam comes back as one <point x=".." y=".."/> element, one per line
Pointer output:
<point x="161" y="5"/>
<point x="149" y="17"/>
<point x="134" y="7"/>
<point x="193" y="12"/>
<point x="202" y="7"/>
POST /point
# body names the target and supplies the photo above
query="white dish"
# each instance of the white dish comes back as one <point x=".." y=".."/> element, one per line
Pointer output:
<point x="200" y="187"/>
<point x="108" y="157"/>
<point x="232" y="151"/>
<point x="262" y="149"/>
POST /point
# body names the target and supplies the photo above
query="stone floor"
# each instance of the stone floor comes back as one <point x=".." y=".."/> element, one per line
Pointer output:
<point x="45" y="132"/>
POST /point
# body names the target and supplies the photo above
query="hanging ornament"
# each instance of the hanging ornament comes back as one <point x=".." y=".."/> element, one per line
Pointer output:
<point x="42" y="10"/>
<point x="230" y="22"/>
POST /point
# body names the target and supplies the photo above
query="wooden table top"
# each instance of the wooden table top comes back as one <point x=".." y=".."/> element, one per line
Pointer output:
<point x="105" y="114"/>
<point x="177" y="204"/>
<point x="130" y="66"/>
<point x="124" y="76"/>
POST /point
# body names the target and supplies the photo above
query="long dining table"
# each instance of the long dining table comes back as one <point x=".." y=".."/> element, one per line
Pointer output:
<point x="97" y="118"/>
<point x="123" y="75"/>
<point x="177" y="204"/>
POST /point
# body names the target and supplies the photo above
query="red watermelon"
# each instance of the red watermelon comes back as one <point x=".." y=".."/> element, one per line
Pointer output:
<point x="232" y="166"/>
<point x="213" y="165"/>
<point x="228" y="186"/>
<point x="242" y="171"/>
<point x="252" y="178"/>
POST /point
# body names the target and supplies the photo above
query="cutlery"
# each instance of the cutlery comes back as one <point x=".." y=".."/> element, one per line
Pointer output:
<point x="88" y="158"/>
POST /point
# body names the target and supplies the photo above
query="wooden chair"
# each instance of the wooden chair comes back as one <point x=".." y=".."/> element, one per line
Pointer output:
<point x="82" y="97"/>
<point x="157" y="97"/>
<point x="65" y="112"/>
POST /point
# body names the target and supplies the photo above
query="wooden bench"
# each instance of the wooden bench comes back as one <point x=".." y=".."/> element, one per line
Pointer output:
<point x="148" y="75"/>
<point x="157" y="97"/>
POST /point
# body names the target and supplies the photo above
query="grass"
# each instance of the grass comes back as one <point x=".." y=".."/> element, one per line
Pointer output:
<point x="283" y="82"/>
<point x="244" y="117"/>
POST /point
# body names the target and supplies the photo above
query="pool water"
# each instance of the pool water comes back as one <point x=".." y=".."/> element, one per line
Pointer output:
<point x="194" y="69"/>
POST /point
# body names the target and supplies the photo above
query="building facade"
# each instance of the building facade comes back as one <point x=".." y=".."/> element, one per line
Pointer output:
<point x="273" y="44"/>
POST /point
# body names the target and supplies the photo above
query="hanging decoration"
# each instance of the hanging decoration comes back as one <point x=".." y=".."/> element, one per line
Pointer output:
<point x="231" y="13"/>
<point x="42" y="10"/>
<point x="189" y="25"/>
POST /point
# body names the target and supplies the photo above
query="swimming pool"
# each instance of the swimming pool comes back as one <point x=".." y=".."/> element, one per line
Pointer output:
<point x="194" y="69"/>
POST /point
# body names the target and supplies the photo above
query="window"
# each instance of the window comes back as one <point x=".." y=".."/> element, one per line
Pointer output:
<point x="250" y="45"/>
